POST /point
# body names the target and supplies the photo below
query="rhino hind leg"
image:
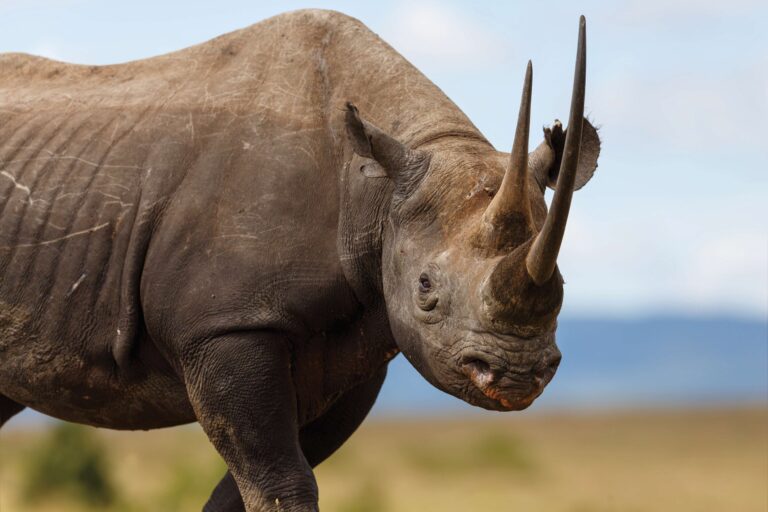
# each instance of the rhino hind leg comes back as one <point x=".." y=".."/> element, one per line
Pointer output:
<point x="8" y="409"/>
<point x="226" y="497"/>
<point x="322" y="437"/>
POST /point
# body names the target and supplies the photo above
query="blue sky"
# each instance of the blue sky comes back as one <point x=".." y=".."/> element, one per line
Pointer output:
<point x="675" y="218"/>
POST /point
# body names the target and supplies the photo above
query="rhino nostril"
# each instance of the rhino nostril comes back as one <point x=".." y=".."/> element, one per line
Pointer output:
<point x="479" y="371"/>
<point x="479" y="365"/>
<point x="547" y="368"/>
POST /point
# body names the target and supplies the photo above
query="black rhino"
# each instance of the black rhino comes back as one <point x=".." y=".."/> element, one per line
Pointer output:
<point x="220" y="235"/>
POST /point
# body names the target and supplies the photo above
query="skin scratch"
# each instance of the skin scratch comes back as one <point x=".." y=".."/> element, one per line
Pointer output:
<point x="57" y="240"/>
<point x="257" y="236"/>
<point x="21" y="187"/>
<point x="191" y="127"/>
<point x="122" y="204"/>
<point x="56" y="156"/>
<point x="76" y="284"/>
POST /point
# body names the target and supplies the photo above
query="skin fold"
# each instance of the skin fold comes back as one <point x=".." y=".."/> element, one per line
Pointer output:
<point x="245" y="232"/>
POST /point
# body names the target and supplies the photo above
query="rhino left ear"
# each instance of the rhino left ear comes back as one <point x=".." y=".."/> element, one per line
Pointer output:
<point x="545" y="160"/>
<point x="397" y="161"/>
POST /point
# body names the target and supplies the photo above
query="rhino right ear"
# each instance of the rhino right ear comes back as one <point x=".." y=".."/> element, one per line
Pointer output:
<point x="551" y="152"/>
<point x="397" y="161"/>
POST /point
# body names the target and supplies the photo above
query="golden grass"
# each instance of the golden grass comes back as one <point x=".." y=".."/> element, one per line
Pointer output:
<point x="630" y="462"/>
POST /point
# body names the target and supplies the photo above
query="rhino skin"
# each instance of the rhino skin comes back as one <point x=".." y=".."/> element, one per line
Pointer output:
<point x="245" y="232"/>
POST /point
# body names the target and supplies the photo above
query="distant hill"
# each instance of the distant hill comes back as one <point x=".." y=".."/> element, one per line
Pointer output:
<point x="607" y="363"/>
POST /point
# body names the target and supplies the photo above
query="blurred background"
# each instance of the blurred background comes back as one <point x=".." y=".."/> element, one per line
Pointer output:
<point x="661" y="401"/>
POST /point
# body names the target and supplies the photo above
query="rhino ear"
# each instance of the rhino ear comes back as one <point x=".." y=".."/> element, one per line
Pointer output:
<point x="397" y="161"/>
<point x="554" y="143"/>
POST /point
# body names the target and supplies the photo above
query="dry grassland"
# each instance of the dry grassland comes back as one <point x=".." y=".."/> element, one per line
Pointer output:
<point x="702" y="461"/>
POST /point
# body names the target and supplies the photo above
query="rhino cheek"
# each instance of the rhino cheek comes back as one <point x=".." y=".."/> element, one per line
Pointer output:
<point x="426" y="355"/>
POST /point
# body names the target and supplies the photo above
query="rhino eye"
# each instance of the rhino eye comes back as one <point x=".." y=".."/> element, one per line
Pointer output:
<point x="427" y="297"/>
<point x="425" y="285"/>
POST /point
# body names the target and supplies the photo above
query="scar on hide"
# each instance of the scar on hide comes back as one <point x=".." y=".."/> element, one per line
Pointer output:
<point x="19" y="186"/>
<point x="76" y="284"/>
<point x="56" y="240"/>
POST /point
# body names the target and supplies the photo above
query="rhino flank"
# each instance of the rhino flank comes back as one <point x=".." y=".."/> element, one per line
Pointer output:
<point x="245" y="232"/>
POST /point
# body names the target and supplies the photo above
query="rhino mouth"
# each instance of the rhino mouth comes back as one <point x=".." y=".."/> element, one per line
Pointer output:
<point x="498" y="398"/>
<point x="496" y="388"/>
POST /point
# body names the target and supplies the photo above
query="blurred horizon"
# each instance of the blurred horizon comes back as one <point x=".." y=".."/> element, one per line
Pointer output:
<point x="658" y="362"/>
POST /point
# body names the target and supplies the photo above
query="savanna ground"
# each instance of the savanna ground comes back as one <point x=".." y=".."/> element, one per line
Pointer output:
<point x="705" y="460"/>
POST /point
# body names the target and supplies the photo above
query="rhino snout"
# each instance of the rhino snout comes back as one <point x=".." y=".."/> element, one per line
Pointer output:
<point x="502" y="388"/>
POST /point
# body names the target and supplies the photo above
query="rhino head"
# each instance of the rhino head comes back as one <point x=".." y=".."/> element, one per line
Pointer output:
<point x="469" y="263"/>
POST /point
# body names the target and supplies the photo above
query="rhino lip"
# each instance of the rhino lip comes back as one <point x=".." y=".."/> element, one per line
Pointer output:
<point x="494" y="383"/>
<point x="484" y="393"/>
<point x="513" y="403"/>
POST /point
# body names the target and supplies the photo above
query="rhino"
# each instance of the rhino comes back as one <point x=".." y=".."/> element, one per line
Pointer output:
<point x="245" y="232"/>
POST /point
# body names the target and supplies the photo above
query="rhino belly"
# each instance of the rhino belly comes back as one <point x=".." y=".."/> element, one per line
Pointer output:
<point x="74" y="385"/>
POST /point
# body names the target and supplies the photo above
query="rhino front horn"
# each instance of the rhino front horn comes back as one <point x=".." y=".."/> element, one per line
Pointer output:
<point x="542" y="257"/>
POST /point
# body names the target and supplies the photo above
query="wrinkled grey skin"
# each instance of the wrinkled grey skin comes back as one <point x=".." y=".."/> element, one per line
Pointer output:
<point x="213" y="235"/>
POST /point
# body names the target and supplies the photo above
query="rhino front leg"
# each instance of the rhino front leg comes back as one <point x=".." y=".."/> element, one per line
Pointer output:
<point x="241" y="389"/>
<point x="318" y="440"/>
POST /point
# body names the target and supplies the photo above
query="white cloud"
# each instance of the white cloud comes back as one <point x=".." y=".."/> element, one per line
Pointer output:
<point x="430" y="32"/>
<point x="47" y="49"/>
<point x="676" y="11"/>
<point x="731" y="269"/>
<point x="692" y="110"/>
<point x="9" y="4"/>
<point x="649" y="263"/>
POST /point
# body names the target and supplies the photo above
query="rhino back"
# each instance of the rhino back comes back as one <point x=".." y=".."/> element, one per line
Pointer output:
<point x="182" y="194"/>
